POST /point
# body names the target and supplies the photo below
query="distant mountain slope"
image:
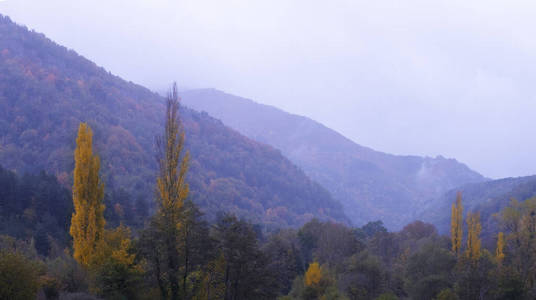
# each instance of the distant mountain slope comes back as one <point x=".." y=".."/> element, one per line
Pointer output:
<point x="46" y="90"/>
<point x="486" y="197"/>
<point x="370" y="184"/>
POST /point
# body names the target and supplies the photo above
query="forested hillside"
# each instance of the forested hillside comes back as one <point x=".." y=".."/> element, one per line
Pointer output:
<point x="488" y="198"/>
<point x="46" y="90"/>
<point x="109" y="191"/>
<point x="232" y="259"/>
<point x="371" y="185"/>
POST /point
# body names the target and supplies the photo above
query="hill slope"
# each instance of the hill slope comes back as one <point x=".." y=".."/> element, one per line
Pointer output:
<point x="46" y="90"/>
<point x="371" y="185"/>
<point x="486" y="197"/>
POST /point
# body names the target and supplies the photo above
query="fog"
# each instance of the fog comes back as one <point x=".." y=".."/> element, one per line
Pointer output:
<point x="455" y="78"/>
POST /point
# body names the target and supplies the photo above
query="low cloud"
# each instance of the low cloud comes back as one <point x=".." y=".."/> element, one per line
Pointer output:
<point x="407" y="77"/>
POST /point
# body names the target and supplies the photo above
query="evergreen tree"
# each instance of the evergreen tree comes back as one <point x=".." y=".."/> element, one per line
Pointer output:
<point x="87" y="222"/>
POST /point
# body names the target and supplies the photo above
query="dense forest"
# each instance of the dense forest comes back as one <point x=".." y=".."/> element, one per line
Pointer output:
<point x="234" y="259"/>
<point x="92" y="244"/>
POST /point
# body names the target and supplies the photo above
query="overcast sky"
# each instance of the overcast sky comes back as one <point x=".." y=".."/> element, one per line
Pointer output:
<point x="455" y="78"/>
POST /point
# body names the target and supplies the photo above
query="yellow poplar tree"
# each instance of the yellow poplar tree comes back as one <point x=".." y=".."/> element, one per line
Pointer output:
<point x="87" y="222"/>
<point x="499" y="252"/>
<point x="172" y="189"/>
<point x="313" y="274"/>
<point x="456" y="225"/>
<point x="473" y="236"/>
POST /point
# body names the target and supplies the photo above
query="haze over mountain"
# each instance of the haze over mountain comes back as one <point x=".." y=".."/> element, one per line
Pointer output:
<point x="46" y="90"/>
<point x="346" y="197"/>
<point x="454" y="78"/>
<point x="371" y="185"/>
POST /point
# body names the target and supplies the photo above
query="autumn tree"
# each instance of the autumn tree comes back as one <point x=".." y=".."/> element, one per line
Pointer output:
<point x="473" y="236"/>
<point x="313" y="274"/>
<point x="499" y="252"/>
<point x="456" y="225"/>
<point x="519" y="223"/>
<point x="171" y="192"/>
<point x="118" y="275"/>
<point x="319" y="283"/>
<point x="87" y="222"/>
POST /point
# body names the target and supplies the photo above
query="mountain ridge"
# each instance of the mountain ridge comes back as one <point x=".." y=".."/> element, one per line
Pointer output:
<point x="46" y="90"/>
<point x="370" y="184"/>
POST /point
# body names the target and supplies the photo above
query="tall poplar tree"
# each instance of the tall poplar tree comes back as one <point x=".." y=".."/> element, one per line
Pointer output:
<point x="87" y="222"/>
<point x="473" y="236"/>
<point x="171" y="192"/>
<point x="456" y="224"/>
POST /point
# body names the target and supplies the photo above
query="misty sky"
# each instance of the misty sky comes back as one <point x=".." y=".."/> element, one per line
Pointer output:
<point x="455" y="78"/>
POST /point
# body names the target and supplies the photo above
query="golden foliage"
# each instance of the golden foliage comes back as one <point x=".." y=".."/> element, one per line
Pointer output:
<point x="87" y="222"/>
<point x="117" y="245"/>
<point x="171" y="187"/>
<point x="172" y="190"/>
<point x="518" y="221"/>
<point x="313" y="274"/>
<point x="114" y="267"/>
<point x="456" y="225"/>
<point x="499" y="252"/>
<point x="473" y="236"/>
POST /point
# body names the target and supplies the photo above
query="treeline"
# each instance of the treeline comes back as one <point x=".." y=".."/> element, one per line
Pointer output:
<point x="234" y="259"/>
<point x="35" y="216"/>
<point x="38" y="207"/>
<point x="92" y="244"/>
